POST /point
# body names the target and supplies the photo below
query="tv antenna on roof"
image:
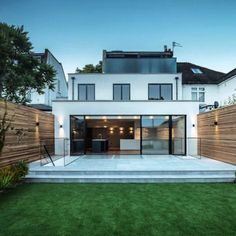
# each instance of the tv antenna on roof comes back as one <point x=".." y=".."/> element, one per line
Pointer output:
<point x="175" y="44"/>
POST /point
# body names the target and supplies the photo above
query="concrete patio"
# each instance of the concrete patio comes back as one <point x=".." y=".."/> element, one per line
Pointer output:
<point x="133" y="169"/>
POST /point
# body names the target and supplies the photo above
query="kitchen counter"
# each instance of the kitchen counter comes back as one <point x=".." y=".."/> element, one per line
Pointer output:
<point x="99" y="145"/>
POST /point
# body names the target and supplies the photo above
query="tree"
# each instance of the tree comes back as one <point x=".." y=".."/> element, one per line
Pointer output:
<point x="20" y="72"/>
<point x="5" y="124"/>
<point x="90" y="68"/>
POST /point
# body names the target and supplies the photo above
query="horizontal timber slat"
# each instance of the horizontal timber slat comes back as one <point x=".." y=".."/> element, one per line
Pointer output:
<point x="218" y="141"/>
<point x="23" y="138"/>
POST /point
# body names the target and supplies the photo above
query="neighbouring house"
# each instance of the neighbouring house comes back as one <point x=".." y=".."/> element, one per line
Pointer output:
<point x="142" y="103"/>
<point x="227" y="89"/>
<point x="44" y="101"/>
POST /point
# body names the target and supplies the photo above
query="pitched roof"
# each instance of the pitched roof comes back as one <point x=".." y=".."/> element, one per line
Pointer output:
<point x="205" y="75"/>
<point x="229" y="75"/>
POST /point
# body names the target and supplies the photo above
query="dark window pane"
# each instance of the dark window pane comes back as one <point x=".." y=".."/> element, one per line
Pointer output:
<point x="117" y="92"/>
<point x="77" y="134"/>
<point x="154" y="91"/>
<point x="201" y="96"/>
<point x="82" y="92"/>
<point x="90" y="92"/>
<point x="166" y="92"/>
<point x="125" y="92"/>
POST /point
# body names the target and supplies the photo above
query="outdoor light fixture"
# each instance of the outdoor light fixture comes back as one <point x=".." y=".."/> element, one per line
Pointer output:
<point x="215" y="123"/>
<point x="37" y="123"/>
<point x="61" y="126"/>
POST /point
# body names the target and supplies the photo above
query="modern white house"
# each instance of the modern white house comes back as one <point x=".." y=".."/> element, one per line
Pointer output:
<point x="44" y="101"/>
<point x="142" y="103"/>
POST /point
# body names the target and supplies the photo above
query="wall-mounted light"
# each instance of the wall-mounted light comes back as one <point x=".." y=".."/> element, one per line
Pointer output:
<point x="215" y="123"/>
<point x="61" y="126"/>
<point x="193" y="125"/>
<point x="37" y="123"/>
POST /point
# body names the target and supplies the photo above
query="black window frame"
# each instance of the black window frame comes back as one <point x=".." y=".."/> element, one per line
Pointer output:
<point x="121" y="92"/>
<point x="86" y="94"/>
<point x="160" y="85"/>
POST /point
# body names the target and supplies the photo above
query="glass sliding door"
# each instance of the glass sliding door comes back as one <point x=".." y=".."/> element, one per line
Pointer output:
<point x="178" y="135"/>
<point x="77" y="132"/>
<point x="155" y="134"/>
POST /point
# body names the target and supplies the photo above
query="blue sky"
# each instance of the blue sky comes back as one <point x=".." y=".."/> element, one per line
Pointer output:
<point x="77" y="31"/>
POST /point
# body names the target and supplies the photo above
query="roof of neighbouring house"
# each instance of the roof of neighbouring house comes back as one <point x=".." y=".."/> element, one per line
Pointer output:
<point x="194" y="74"/>
<point x="229" y="74"/>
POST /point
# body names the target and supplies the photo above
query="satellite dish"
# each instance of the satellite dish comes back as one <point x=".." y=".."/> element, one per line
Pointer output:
<point x="216" y="104"/>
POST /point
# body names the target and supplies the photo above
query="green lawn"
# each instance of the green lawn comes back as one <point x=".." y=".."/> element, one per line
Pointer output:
<point x="119" y="209"/>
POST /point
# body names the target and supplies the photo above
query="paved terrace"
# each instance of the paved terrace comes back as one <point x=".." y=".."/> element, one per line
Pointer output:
<point x="135" y="162"/>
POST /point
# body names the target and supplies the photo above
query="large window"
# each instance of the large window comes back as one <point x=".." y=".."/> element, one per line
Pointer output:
<point x="163" y="134"/>
<point x="121" y="92"/>
<point x="160" y="91"/>
<point x="86" y="92"/>
<point x="155" y="134"/>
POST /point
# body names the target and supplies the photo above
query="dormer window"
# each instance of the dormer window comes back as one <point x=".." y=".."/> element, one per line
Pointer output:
<point x="196" y="71"/>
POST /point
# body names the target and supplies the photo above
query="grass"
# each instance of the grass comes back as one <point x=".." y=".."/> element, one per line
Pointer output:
<point x="119" y="209"/>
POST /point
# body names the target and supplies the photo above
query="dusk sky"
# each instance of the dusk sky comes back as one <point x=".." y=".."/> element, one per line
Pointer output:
<point x="76" y="32"/>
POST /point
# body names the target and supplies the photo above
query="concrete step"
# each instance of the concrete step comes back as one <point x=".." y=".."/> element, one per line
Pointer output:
<point x="129" y="172"/>
<point x="130" y="179"/>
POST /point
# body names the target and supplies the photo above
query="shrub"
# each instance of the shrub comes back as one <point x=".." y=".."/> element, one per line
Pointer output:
<point x="12" y="174"/>
<point x="6" y="177"/>
<point x="20" y="170"/>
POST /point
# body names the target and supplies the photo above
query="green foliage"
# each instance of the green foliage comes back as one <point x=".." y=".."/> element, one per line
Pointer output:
<point x="20" y="72"/>
<point x="4" y="126"/>
<point x="232" y="99"/>
<point x="7" y="177"/>
<point x="90" y="68"/>
<point x="20" y="169"/>
<point x="12" y="174"/>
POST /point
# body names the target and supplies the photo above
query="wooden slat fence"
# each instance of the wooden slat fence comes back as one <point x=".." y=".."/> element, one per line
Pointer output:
<point x="23" y="138"/>
<point x="218" y="141"/>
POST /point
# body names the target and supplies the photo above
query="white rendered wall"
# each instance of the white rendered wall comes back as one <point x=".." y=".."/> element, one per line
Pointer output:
<point x="211" y="92"/>
<point x="138" y="84"/>
<point x="63" y="109"/>
<point x="226" y="90"/>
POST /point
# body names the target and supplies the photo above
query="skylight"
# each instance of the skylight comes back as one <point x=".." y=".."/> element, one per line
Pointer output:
<point x="196" y="71"/>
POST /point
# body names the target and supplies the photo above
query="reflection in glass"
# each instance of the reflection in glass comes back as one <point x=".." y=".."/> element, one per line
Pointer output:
<point x="121" y="92"/>
<point x="77" y="135"/>
<point x="178" y="135"/>
<point x="155" y="134"/>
